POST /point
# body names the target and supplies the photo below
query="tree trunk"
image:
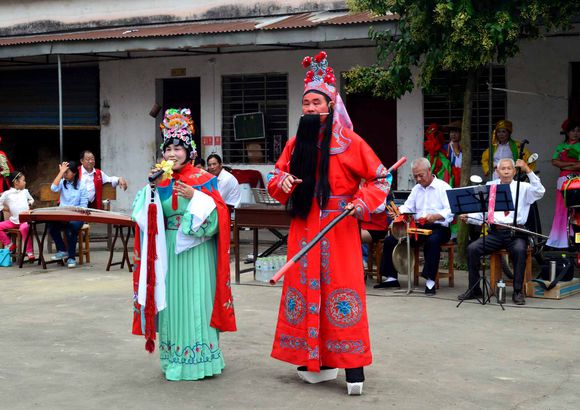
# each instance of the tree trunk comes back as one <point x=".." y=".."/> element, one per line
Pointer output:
<point x="462" y="233"/>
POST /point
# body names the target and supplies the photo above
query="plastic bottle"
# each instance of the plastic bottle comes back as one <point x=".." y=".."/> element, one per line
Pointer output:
<point x="259" y="270"/>
<point x="501" y="291"/>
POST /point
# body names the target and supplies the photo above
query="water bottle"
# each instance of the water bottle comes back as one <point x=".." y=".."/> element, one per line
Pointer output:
<point x="258" y="265"/>
<point x="552" y="271"/>
<point x="501" y="291"/>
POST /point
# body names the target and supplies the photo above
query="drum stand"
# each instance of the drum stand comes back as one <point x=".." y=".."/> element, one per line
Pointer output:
<point x="410" y="288"/>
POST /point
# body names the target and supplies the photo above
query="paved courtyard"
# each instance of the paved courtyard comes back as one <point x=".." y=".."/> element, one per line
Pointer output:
<point x="66" y="344"/>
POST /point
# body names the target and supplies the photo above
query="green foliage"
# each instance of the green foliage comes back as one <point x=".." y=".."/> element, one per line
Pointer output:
<point x="448" y="35"/>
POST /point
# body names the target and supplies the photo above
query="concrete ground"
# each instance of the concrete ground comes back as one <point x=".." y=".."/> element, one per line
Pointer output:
<point x="66" y="344"/>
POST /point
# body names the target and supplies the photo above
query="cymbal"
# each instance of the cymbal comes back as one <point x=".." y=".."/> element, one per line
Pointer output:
<point x="400" y="258"/>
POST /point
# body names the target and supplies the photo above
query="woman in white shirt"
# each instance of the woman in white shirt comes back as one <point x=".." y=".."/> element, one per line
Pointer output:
<point x="16" y="200"/>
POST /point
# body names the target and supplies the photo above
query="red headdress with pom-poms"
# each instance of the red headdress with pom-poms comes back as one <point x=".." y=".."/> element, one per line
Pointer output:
<point x="320" y="77"/>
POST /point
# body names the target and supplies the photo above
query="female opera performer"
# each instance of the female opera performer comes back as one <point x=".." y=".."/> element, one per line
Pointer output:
<point x="322" y="320"/>
<point x="192" y="279"/>
<point x="567" y="158"/>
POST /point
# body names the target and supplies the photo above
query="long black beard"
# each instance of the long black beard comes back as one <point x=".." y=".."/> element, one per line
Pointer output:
<point x="304" y="163"/>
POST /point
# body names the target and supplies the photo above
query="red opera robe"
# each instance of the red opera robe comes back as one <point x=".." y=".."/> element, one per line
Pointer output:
<point x="322" y="319"/>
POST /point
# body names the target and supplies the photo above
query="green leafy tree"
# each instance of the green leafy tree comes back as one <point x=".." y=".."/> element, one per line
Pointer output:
<point x="462" y="36"/>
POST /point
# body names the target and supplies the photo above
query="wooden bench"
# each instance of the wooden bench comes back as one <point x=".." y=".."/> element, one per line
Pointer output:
<point x="496" y="272"/>
<point x="375" y="249"/>
<point x="448" y="274"/>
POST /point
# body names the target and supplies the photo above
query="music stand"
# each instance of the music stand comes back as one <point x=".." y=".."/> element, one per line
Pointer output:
<point x="474" y="200"/>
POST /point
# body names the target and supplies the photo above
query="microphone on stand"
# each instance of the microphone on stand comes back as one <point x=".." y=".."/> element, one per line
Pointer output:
<point x="155" y="175"/>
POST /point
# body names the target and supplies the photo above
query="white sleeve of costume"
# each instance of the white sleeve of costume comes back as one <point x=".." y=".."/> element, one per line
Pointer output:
<point x="200" y="207"/>
<point x="160" y="248"/>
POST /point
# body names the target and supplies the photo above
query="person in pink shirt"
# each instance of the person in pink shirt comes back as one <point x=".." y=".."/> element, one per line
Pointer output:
<point x="16" y="200"/>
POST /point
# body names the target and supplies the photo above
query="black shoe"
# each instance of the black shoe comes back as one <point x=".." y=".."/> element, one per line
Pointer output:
<point x="518" y="298"/>
<point x="389" y="284"/>
<point x="468" y="295"/>
<point x="430" y="292"/>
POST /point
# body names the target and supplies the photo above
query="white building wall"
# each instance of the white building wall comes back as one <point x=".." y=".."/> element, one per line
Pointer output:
<point x="410" y="132"/>
<point x="128" y="143"/>
<point x="542" y="67"/>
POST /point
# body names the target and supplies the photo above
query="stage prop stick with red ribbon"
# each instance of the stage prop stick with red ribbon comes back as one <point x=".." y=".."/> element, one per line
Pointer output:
<point x="321" y="234"/>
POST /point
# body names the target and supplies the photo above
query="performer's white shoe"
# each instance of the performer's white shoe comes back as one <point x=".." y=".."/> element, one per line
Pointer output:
<point x="354" y="389"/>
<point x="318" y="377"/>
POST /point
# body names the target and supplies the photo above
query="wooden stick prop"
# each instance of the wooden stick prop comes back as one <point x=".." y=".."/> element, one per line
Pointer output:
<point x="321" y="234"/>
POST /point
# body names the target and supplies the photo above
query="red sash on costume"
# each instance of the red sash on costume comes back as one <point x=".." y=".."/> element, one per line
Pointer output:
<point x="98" y="181"/>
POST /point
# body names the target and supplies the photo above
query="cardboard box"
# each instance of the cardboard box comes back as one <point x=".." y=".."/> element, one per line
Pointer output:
<point x="560" y="291"/>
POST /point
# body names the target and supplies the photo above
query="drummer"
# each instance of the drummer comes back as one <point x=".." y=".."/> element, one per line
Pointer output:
<point x="430" y="208"/>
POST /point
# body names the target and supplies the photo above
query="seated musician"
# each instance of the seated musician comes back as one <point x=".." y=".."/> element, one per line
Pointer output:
<point x="94" y="178"/>
<point x="72" y="193"/>
<point x="428" y="200"/>
<point x="500" y="236"/>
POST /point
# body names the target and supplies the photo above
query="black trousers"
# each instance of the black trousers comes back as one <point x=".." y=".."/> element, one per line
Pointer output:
<point x="496" y="240"/>
<point x="431" y="249"/>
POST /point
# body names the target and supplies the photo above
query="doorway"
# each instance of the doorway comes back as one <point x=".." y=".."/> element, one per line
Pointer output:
<point x="184" y="93"/>
<point x="375" y="120"/>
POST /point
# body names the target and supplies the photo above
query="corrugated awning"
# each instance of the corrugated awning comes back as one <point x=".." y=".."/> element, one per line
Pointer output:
<point x="287" y="22"/>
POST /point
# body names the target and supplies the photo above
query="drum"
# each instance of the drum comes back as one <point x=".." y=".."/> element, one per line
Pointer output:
<point x="399" y="229"/>
<point x="571" y="192"/>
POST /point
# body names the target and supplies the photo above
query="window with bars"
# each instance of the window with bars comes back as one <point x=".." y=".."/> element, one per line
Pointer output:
<point x="445" y="104"/>
<point x="265" y="93"/>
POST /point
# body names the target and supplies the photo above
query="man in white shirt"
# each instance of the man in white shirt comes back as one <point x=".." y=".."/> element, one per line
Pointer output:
<point x="95" y="178"/>
<point x="428" y="200"/>
<point x="227" y="183"/>
<point x="499" y="237"/>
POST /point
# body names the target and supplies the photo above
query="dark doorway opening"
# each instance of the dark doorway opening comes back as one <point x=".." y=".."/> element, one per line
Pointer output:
<point x="184" y="93"/>
<point x="375" y="120"/>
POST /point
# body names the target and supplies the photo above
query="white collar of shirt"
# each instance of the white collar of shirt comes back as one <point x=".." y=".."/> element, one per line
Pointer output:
<point x="85" y="172"/>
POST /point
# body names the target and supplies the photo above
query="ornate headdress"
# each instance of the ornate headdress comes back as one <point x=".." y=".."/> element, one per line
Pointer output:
<point x="502" y="124"/>
<point x="320" y="78"/>
<point x="434" y="139"/>
<point x="177" y="128"/>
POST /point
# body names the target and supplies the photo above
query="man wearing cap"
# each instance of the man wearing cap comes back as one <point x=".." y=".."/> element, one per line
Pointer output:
<point x="503" y="146"/>
<point x="322" y="320"/>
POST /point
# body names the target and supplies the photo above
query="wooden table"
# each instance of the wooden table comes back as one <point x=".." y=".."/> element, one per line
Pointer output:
<point x="259" y="216"/>
<point x="47" y="215"/>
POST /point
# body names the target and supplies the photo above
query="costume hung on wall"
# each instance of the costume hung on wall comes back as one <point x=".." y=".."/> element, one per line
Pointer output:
<point x="322" y="318"/>
<point x="455" y="158"/>
<point x="565" y="152"/>
<point x="510" y="147"/>
<point x="440" y="164"/>
<point x="182" y="265"/>
<point x="5" y="169"/>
